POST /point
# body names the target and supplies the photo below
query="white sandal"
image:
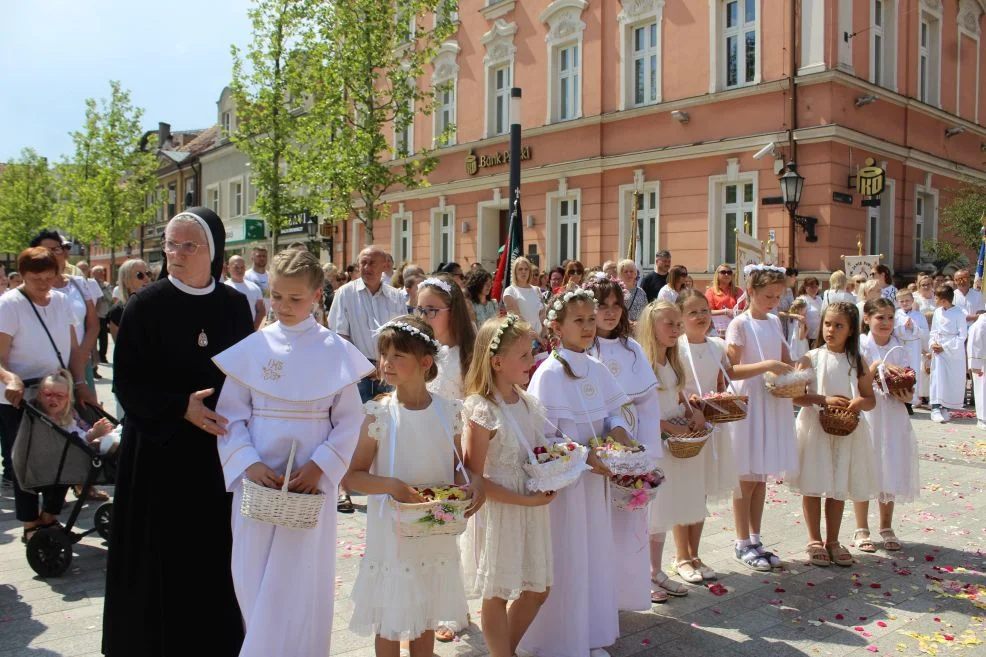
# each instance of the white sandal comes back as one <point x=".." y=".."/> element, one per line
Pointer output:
<point x="671" y="586"/>
<point x="687" y="571"/>
<point x="706" y="572"/>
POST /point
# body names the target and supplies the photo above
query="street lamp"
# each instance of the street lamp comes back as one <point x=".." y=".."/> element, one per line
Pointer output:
<point x="792" y="186"/>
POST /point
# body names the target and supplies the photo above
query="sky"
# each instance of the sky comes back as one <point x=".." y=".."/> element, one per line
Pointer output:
<point x="173" y="57"/>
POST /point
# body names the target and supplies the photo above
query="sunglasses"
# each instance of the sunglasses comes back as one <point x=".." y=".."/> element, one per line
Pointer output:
<point x="429" y="313"/>
<point x="726" y="272"/>
<point x="141" y="275"/>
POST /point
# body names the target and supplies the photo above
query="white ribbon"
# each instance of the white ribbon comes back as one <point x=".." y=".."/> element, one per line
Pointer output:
<point x="515" y="426"/>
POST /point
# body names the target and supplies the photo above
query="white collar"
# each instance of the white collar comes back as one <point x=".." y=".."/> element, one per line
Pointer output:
<point x="300" y="327"/>
<point x="361" y="285"/>
<point x="194" y="291"/>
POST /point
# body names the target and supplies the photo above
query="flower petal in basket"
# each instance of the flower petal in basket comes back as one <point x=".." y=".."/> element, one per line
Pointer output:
<point x="633" y="493"/>
<point x="557" y="473"/>
<point x="431" y="518"/>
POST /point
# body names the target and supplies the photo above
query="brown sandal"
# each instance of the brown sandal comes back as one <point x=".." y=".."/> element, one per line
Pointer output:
<point x="818" y="555"/>
<point x="864" y="543"/>
<point x="839" y="555"/>
<point x="890" y="540"/>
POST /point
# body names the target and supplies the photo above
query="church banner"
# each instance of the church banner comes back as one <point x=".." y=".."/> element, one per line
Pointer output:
<point x="862" y="264"/>
<point x="749" y="251"/>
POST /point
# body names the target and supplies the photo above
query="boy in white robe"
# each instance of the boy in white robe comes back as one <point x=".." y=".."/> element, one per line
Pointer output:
<point x="947" y="342"/>
<point x="912" y="330"/>
<point x="976" y="350"/>
<point x="292" y="382"/>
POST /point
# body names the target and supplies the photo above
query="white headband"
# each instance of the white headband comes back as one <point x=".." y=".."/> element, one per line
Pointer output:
<point x="749" y="269"/>
<point x="412" y="330"/>
<point x="437" y="282"/>
<point x="205" y="227"/>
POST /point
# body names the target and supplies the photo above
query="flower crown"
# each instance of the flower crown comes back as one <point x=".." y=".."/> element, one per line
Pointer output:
<point x="578" y="294"/>
<point x="445" y="286"/>
<point x="413" y="330"/>
<point x="505" y="325"/>
<point x="599" y="278"/>
<point x="749" y="269"/>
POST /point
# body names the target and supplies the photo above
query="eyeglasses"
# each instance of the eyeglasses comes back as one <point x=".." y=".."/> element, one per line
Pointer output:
<point x="51" y="394"/>
<point x="429" y="313"/>
<point x="57" y="250"/>
<point x="141" y="275"/>
<point x="186" y="248"/>
<point x="873" y="274"/>
<point x="726" y="272"/>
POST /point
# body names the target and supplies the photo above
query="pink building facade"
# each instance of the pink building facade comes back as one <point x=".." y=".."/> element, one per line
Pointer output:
<point x="673" y="99"/>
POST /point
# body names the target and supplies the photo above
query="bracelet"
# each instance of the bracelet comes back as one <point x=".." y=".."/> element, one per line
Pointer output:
<point x="80" y="383"/>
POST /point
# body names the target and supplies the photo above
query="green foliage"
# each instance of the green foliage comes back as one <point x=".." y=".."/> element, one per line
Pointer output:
<point x="962" y="218"/>
<point x="368" y="75"/>
<point x="269" y="85"/>
<point x="942" y="254"/>
<point x="102" y="188"/>
<point x="26" y="200"/>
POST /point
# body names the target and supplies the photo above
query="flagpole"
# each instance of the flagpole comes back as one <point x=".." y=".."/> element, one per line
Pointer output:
<point x="515" y="95"/>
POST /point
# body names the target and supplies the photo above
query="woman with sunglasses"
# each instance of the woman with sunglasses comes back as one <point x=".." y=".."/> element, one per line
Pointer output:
<point x="723" y="295"/>
<point x="676" y="283"/>
<point x="924" y="297"/>
<point x="574" y="274"/>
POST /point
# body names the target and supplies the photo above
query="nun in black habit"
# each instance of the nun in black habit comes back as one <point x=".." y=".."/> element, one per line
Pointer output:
<point x="168" y="586"/>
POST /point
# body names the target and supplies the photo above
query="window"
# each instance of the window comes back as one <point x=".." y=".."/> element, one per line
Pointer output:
<point x="227" y="123"/>
<point x="645" y="54"/>
<point x="500" y="93"/>
<point x="737" y="212"/>
<point x="189" y="199"/>
<point x="252" y="196"/>
<point x="402" y="236"/>
<point x="568" y="83"/>
<point x="924" y="222"/>
<point x="405" y="23"/>
<point x="646" y="229"/>
<point x="880" y="226"/>
<point x="447" y="11"/>
<point x="445" y="123"/>
<point x="443" y="80"/>
<point x="403" y="135"/>
<point x="213" y="199"/>
<point x="568" y="229"/>
<point x="929" y="57"/>
<point x="883" y="43"/>
<point x="172" y="199"/>
<point x="445" y="237"/>
<point x="236" y="199"/>
<point x="739" y="39"/>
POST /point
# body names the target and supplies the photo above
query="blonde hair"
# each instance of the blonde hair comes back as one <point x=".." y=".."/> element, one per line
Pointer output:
<point x="480" y="379"/>
<point x="798" y="304"/>
<point x="292" y="263"/>
<point x="761" y="278"/>
<point x="906" y="292"/>
<point x="124" y="274"/>
<point x="623" y="264"/>
<point x="866" y="288"/>
<point x="330" y="270"/>
<point x="646" y="324"/>
<point x="513" y="271"/>
<point x="837" y="281"/>
<point x="61" y="377"/>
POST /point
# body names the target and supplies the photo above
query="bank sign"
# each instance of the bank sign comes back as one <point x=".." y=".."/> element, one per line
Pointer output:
<point x="476" y="162"/>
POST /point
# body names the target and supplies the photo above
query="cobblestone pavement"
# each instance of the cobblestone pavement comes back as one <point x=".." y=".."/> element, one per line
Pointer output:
<point x="928" y="599"/>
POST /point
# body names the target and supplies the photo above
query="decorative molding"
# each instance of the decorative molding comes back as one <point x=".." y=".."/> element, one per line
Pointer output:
<point x="732" y="169"/>
<point x="499" y="42"/>
<point x="970" y="12"/>
<point x="932" y="7"/>
<point x="638" y="178"/>
<point x="445" y="63"/>
<point x="638" y="10"/>
<point x="498" y="9"/>
<point x="564" y="20"/>
<point x="496" y="194"/>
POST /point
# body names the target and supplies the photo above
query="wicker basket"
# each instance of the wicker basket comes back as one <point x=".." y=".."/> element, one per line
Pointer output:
<point x="788" y="386"/>
<point x="627" y="462"/>
<point x="899" y="379"/>
<point x="631" y="499"/>
<point x="687" y="445"/>
<point x="555" y="475"/>
<point x="280" y="506"/>
<point x="417" y="520"/>
<point x="838" y="421"/>
<point x="719" y="409"/>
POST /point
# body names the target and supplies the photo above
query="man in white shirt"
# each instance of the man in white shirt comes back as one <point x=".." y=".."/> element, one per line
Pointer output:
<point x="388" y="269"/>
<point x="237" y="271"/>
<point x="967" y="298"/>
<point x="258" y="274"/>
<point x="360" y="307"/>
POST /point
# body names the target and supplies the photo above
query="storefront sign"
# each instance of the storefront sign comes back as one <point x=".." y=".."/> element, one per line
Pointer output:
<point x="871" y="179"/>
<point x="298" y="223"/>
<point x="476" y="162"/>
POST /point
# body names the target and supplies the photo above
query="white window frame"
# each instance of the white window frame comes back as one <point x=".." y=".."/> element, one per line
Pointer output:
<point x="635" y="16"/>
<point x="232" y="197"/>
<point x="553" y="237"/>
<point x="398" y="234"/>
<point x="437" y="231"/>
<point x="501" y="53"/>
<point x="887" y="202"/>
<point x="886" y="32"/>
<point x="445" y="72"/>
<point x="453" y="18"/>
<point x="227" y="117"/>
<point x="925" y="216"/>
<point x="214" y="198"/>
<point x="929" y="55"/>
<point x="569" y="81"/>
<point x="968" y="25"/>
<point x="717" y="50"/>
<point x="718" y="209"/>
<point x="189" y="188"/>
<point x="410" y="137"/>
<point x="644" y="264"/>
<point x="565" y="30"/>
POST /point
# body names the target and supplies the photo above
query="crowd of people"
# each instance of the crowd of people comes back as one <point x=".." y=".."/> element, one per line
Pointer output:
<point x="380" y="379"/>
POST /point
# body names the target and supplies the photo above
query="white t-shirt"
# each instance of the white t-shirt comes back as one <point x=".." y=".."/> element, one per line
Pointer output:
<point x="31" y="354"/>
<point x="251" y="290"/>
<point x="263" y="282"/>
<point x="667" y="294"/>
<point x="529" y="302"/>
<point x="79" y="293"/>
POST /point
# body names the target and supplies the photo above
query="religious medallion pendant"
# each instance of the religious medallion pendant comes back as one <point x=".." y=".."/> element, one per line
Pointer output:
<point x="203" y="339"/>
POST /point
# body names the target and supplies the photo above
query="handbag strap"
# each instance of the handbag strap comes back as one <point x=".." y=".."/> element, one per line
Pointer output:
<point x="61" y="362"/>
<point x="443" y="420"/>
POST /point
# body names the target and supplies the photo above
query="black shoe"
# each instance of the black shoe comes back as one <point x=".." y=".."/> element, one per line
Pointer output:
<point x="345" y="504"/>
<point x="97" y="376"/>
<point x="910" y="410"/>
<point x="103" y="361"/>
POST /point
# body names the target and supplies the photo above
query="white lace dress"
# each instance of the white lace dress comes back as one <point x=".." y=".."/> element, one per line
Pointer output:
<point x="448" y="383"/>
<point x="407" y="586"/>
<point x="507" y="548"/>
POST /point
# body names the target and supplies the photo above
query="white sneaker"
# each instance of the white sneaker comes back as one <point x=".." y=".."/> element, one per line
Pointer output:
<point x="946" y="414"/>
<point x="598" y="652"/>
<point x="937" y="416"/>
<point x="981" y="425"/>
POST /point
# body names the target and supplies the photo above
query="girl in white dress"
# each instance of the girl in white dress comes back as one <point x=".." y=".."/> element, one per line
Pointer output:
<point x="764" y="444"/>
<point x="276" y="393"/>
<point x="706" y="370"/>
<point x="622" y="356"/>
<point x="894" y="443"/>
<point x="798" y="327"/>
<point x="406" y="588"/>
<point x="947" y="342"/>
<point x="582" y="400"/>
<point x="511" y="535"/>
<point x="838" y="468"/>
<point x="681" y="499"/>
<point x="442" y="304"/>
<point x="912" y="329"/>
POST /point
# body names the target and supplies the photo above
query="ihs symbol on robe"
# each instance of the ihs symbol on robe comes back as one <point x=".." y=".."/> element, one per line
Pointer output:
<point x="588" y="390"/>
<point x="272" y="371"/>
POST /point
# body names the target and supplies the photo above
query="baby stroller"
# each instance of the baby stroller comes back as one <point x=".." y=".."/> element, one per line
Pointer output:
<point x="46" y="455"/>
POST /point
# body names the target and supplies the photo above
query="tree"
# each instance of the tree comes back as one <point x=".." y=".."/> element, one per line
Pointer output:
<point x="963" y="216"/>
<point x="270" y="125"/>
<point x="369" y="62"/>
<point x="26" y="200"/>
<point x="103" y="187"/>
